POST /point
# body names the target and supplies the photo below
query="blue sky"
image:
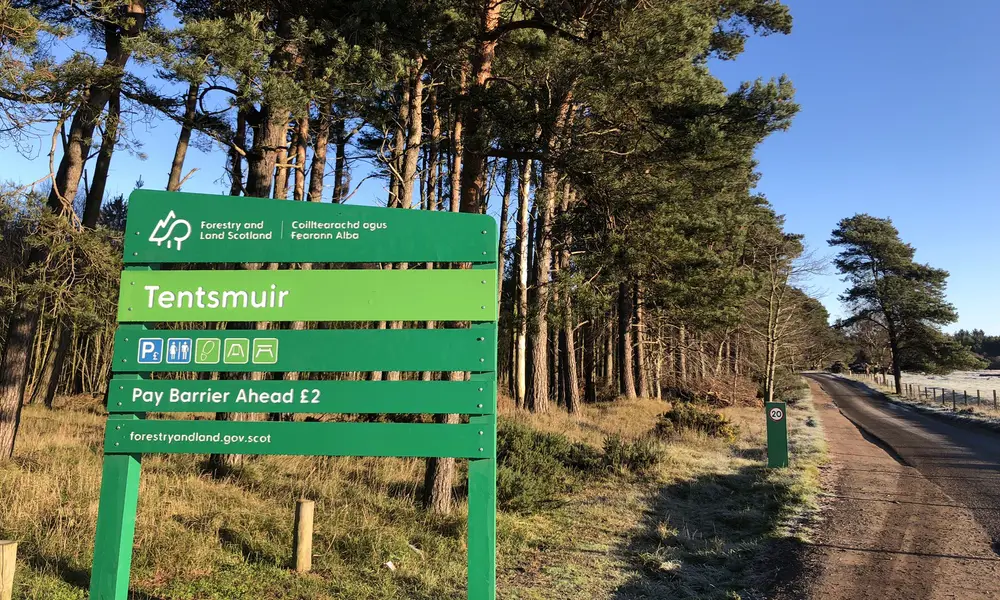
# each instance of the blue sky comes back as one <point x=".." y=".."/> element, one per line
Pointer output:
<point x="900" y="118"/>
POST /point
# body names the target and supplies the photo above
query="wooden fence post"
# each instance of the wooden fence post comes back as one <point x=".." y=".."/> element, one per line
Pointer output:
<point x="302" y="549"/>
<point x="8" y="558"/>
<point x="994" y="399"/>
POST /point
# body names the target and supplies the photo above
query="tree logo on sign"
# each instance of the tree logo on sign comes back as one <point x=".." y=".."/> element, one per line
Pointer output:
<point x="165" y="231"/>
<point x="776" y="414"/>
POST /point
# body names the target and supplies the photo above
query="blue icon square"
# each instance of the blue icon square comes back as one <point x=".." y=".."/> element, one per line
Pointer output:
<point x="150" y="351"/>
<point x="179" y="351"/>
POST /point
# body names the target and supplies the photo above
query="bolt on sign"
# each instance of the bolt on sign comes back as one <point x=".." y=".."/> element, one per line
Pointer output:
<point x="173" y="227"/>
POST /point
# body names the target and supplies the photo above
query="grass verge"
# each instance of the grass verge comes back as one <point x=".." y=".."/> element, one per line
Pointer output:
<point x="692" y="523"/>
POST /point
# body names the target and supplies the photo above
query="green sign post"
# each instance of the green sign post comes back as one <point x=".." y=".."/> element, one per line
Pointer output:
<point x="777" y="434"/>
<point x="169" y="228"/>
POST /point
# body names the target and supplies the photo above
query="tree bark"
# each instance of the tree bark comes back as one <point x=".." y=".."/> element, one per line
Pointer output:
<point x="55" y="359"/>
<point x="318" y="170"/>
<point x="81" y="132"/>
<point x="626" y="376"/>
<point x="282" y="164"/>
<point x="301" y="143"/>
<point x="523" y="193"/>
<point x="236" y="152"/>
<point x="682" y="353"/>
<point x="439" y="476"/>
<point x="14" y="375"/>
<point x="184" y="139"/>
<point x="340" y="164"/>
<point x="270" y="137"/>
<point x="508" y="176"/>
<point x="589" y="363"/>
<point x="473" y="177"/>
<point x="640" y="345"/>
<point x="102" y="166"/>
<point x="415" y="99"/>
<point x="457" y="148"/>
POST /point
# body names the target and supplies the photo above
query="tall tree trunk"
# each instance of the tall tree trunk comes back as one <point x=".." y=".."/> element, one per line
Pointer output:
<point x="439" y="476"/>
<point x="397" y="158"/>
<point x="55" y="359"/>
<point x="415" y="99"/>
<point x="282" y="164"/>
<point x="270" y="138"/>
<point x="102" y="166"/>
<point x="523" y="193"/>
<point x="640" y="345"/>
<point x="81" y="132"/>
<point x="14" y="375"/>
<point x="236" y="152"/>
<point x="508" y="176"/>
<point x="318" y="170"/>
<point x="589" y="362"/>
<point x="545" y="199"/>
<point x="301" y="143"/>
<point x="609" y="354"/>
<point x="626" y="376"/>
<point x="477" y="140"/>
<point x="340" y="164"/>
<point x="568" y="360"/>
<point x="434" y="151"/>
<point x="682" y="344"/>
<point x="184" y="139"/>
<point x="457" y="147"/>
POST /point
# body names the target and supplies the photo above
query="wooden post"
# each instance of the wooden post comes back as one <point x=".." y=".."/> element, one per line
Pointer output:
<point x="8" y="559"/>
<point x="965" y="397"/>
<point x="302" y="549"/>
<point x="994" y="399"/>
<point x="979" y="401"/>
<point x="953" y="400"/>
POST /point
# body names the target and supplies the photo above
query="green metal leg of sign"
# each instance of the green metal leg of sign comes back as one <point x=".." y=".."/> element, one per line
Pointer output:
<point x="483" y="520"/>
<point x="115" y="524"/>
<point x="776" y="414"/>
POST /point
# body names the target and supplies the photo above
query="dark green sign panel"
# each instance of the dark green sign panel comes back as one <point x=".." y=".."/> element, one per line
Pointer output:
<point x="190" y="228"/>
<point x="310" y="397"/>
<point x="318" y="350"/>
<point x="309" y="439"/>
<point x="172" y="227"/>
<point x="777" y="434"/>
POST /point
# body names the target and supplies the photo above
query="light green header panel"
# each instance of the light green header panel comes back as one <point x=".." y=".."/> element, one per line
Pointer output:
<point x="175" y="227"/>
<point x="358" y="295"/>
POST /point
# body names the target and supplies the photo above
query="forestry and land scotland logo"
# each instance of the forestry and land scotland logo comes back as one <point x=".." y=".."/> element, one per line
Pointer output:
<point x="171" y="230"/>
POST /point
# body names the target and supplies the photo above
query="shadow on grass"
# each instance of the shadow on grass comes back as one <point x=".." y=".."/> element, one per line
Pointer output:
<point x="74" y="575"/>
<point x="715" y="536"/>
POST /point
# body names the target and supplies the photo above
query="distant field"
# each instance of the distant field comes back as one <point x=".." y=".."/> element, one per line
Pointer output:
<point x="968" y="381"/>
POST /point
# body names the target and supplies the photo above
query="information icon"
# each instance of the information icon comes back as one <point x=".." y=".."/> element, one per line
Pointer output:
<point x="179" y="351"/>
<point x="150" y="351"/>
<point x="207" y="351"/>
<point x="265" y="351"/>
<point x="236" y="351"/>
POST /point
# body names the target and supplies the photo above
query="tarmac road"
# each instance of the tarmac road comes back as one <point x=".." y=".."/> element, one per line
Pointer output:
<point x="911" y="507"/>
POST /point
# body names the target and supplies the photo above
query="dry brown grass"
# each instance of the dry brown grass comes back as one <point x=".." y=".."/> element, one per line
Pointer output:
<point x="197" y="538"/>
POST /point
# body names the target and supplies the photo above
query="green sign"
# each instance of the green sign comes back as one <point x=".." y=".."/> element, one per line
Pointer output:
<point x="190" y="228"/>
<point x="332" y="439"/>
<point x="138" y="349"/>
<point x="777" y="434"/>
<point x="170" y="227"/>
<point x="416" y="397"/>
<point x="356" y="295"/>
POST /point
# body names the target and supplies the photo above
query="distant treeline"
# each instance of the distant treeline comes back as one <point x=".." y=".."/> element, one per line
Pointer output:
<point x="985" y="346"/>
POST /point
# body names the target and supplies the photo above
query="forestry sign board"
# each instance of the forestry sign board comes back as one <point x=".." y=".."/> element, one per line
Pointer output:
<point x="344" y="247"/>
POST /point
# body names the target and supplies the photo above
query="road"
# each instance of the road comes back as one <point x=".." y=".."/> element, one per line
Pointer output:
<point x="913" y="503"/>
